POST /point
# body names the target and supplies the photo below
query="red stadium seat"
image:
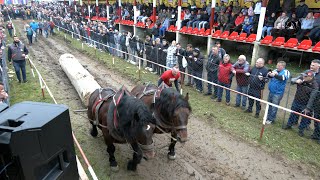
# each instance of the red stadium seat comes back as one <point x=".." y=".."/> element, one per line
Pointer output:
<point x="266" y="40"/>
<point x="189" y="30"/>
<point x="216" y="34"/>
<point x="202" y="32"/>
<point x="94" y="18"/>
<point x="225" y="34"/>
<point x="291" y="43"/>
<point x="170" y="28"/>
<point x="316" y="48"/>
<point x="305" y="45"/>
<point x="234" y="35"/>
<point x="207" y="33"/>
<point x="195" y="31"/>
<point x="251" y="38"/>
<point x="103" y="19"/>
<point x="242" y="37"/>
<point x="316" y="15"/>
<point x="183" y="29"/>
<point x="279" y="41"/>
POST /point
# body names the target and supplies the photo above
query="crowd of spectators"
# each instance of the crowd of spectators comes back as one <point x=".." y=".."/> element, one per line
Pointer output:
<point x="217" y="66"/>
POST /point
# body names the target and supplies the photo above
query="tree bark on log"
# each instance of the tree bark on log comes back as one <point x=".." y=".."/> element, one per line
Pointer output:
<point x="81" y="79"/>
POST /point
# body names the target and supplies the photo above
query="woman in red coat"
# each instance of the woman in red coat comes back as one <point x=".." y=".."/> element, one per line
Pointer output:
<point x="225" y="78"/>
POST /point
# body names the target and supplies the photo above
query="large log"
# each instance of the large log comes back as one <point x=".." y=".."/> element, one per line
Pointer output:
<point x="80" y="78"/>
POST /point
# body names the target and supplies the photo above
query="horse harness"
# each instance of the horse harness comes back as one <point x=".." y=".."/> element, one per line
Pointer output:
<point x="115" y="110"/>
<point x="168" y="127"/>
<point x="99" y="103"/>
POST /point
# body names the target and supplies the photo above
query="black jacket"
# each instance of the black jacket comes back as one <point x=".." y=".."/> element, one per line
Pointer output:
<point x="180" y="53"/>
<point x="148" y="48"/>
<point x="254" y="81"/>
<point x="197" y="63"/>
<point x="306" y="93"/>
<point x="213" y="62"/>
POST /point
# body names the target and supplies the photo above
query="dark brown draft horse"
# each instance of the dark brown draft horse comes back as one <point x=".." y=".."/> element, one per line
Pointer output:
<point x="170" y="109"/>
<point x="122" y="119"/>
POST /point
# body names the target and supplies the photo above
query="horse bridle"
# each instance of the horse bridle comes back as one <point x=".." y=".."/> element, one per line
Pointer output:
<point x="166" y="125"/>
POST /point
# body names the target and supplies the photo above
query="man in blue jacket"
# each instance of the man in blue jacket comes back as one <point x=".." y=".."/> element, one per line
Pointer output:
<point x="277" y="87"/>
<point x="34" y="26"/>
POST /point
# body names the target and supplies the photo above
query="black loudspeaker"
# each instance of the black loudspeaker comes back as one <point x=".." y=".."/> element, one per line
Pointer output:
<point x="36" y="142"/>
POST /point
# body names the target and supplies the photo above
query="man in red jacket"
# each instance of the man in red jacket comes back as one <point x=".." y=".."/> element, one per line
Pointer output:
<point x="224" y="78"/>
<point x="170" y="76"/>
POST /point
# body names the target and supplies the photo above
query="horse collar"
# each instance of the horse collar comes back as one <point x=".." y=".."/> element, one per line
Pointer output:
<point x="115" y="111"/>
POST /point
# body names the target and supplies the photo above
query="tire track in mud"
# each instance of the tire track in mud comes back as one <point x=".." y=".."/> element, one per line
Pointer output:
<point x="210" y="154"/>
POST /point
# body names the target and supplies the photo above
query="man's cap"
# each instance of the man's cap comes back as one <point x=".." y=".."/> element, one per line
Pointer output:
<point x="308" y="73"/>
<point x="218" y="42"/>
<point x="197" y="50"/>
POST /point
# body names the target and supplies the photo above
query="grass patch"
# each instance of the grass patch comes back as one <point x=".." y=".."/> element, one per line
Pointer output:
<point x="230" y="119"/>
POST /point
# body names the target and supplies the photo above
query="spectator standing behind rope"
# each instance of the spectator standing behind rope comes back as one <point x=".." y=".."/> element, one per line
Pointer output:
<point x="212" y="70"/>
<point x="277" y="87"/>
<point x="170" y="76"/>
<point x="197" y="66"/>
<point x="171" y="59"/>
<point x="314" y="66"/>
<point x="221" y="51"/>
<point x="148" y="52"/>
<point x="17" y="52"/>
<point x="163" y="55"/>
<point x="239" y="69"/>
<point x="257" y="82"/>
<point x="225" y="78"/>
<point x="307" y="88"/>
<point x="181" y="53"/>
<point x="188" y="54"/>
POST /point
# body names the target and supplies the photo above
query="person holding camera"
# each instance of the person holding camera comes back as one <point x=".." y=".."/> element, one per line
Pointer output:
<point x="257" y="80"/>
<point x="315" y="101"/>
<point x="277" y="86"/>
<point x="307" y="88"/>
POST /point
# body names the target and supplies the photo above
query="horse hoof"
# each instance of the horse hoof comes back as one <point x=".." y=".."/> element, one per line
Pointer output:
<point x="171" y="157"/>
<point x="131" y="166"/>
<point x="94" y="133"/>
<point x="114" y="168"/>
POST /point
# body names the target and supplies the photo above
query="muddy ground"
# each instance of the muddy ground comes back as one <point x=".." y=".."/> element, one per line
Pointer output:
<point x="211" y="153"/>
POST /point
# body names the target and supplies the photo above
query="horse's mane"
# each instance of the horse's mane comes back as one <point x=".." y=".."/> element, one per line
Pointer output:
<point x="133" y="114"/>
<point x="169" y="101"/>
